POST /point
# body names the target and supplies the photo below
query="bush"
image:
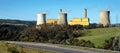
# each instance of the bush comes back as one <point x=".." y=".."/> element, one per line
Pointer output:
<point x="69" y="41"/>
<point x="112" y="44"/>
<point x="89" y="44"/>
<point x="81" y="43"/>
<point x="13" y="50"/>
<point x="108" y="44"/>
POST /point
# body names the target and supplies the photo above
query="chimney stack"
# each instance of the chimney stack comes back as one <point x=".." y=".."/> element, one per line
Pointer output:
<point x="85" y="13"/>
<point x="60" y="10"/>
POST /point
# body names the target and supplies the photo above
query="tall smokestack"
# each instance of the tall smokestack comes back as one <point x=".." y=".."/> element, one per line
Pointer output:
<point x="85" y="13"/>
<point x="60" y="10"/>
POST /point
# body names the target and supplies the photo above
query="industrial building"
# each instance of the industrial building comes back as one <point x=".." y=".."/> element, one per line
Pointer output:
<point x="80" y="21"/>
<point x="105" y="18"/>
<point x="52" y="21"/>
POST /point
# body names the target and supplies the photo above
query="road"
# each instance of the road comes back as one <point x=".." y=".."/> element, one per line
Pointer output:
<point x="50" y="47"/>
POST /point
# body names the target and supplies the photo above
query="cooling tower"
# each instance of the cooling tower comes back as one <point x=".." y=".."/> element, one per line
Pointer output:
<point x="41" y="19"/>
<point x="62" y="18"/>
<point x="105" y="18"/>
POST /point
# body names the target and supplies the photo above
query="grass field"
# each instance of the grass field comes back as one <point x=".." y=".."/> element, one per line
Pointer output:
<point x="4" y="49"/>
<point x="98" y="36"/>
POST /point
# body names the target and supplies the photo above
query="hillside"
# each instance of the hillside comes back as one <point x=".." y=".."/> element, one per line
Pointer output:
<point x="97" y="36"/>
<point x="16" y="22"/>
<point x="7" y="48"/>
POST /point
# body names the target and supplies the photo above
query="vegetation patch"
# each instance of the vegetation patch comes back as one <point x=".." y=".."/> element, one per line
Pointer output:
<point x="12" y="48"/>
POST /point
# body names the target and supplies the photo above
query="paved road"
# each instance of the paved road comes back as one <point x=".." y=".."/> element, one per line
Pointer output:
<point x="50" y="47"/>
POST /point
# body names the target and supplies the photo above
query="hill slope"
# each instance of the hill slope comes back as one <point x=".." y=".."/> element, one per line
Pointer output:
<point x="97" y="36"/>
<point x="16" y="22"/>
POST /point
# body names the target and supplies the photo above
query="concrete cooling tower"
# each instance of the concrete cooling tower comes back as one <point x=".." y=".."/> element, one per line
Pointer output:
<point x="62" y="18"/>
<point x="105" y="18"/>
<point x="41" y="19"/>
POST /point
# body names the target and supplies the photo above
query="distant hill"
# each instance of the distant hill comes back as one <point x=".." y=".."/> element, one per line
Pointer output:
<point x="17" y="22"/>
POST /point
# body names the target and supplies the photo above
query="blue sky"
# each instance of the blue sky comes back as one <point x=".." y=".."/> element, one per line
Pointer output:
<point x="27" y="9"/>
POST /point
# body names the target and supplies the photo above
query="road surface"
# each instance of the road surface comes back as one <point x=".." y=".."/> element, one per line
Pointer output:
<point x="50" y="47"/>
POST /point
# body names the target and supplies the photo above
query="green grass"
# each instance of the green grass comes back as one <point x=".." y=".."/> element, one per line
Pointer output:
<point x="5" y="46"/>
<point x="98" y="36"/>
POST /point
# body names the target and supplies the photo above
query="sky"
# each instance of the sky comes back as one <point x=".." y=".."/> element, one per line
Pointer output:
<point x="28" y="9"/>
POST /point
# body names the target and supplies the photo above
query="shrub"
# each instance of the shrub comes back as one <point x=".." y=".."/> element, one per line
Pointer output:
<point x="108" y="43"/>
<point x="69" y="41"/>
<point x="81" y="43"/>
<point x="13" y="50"/>
<point x="89" y="44"/>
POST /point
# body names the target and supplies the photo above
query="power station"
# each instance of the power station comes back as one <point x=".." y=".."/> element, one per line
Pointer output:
<point x="105" y="18"/>
<point x="62" y="19"/>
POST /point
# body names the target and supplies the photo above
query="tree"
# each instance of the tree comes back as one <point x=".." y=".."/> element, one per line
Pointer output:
<point x="108" y="44"/>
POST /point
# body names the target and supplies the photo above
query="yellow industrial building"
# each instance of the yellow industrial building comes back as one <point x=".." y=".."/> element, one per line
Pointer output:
<point x="79" y="21"/>
<point x="74" y="21"/>
<point x="52" y="21"/>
